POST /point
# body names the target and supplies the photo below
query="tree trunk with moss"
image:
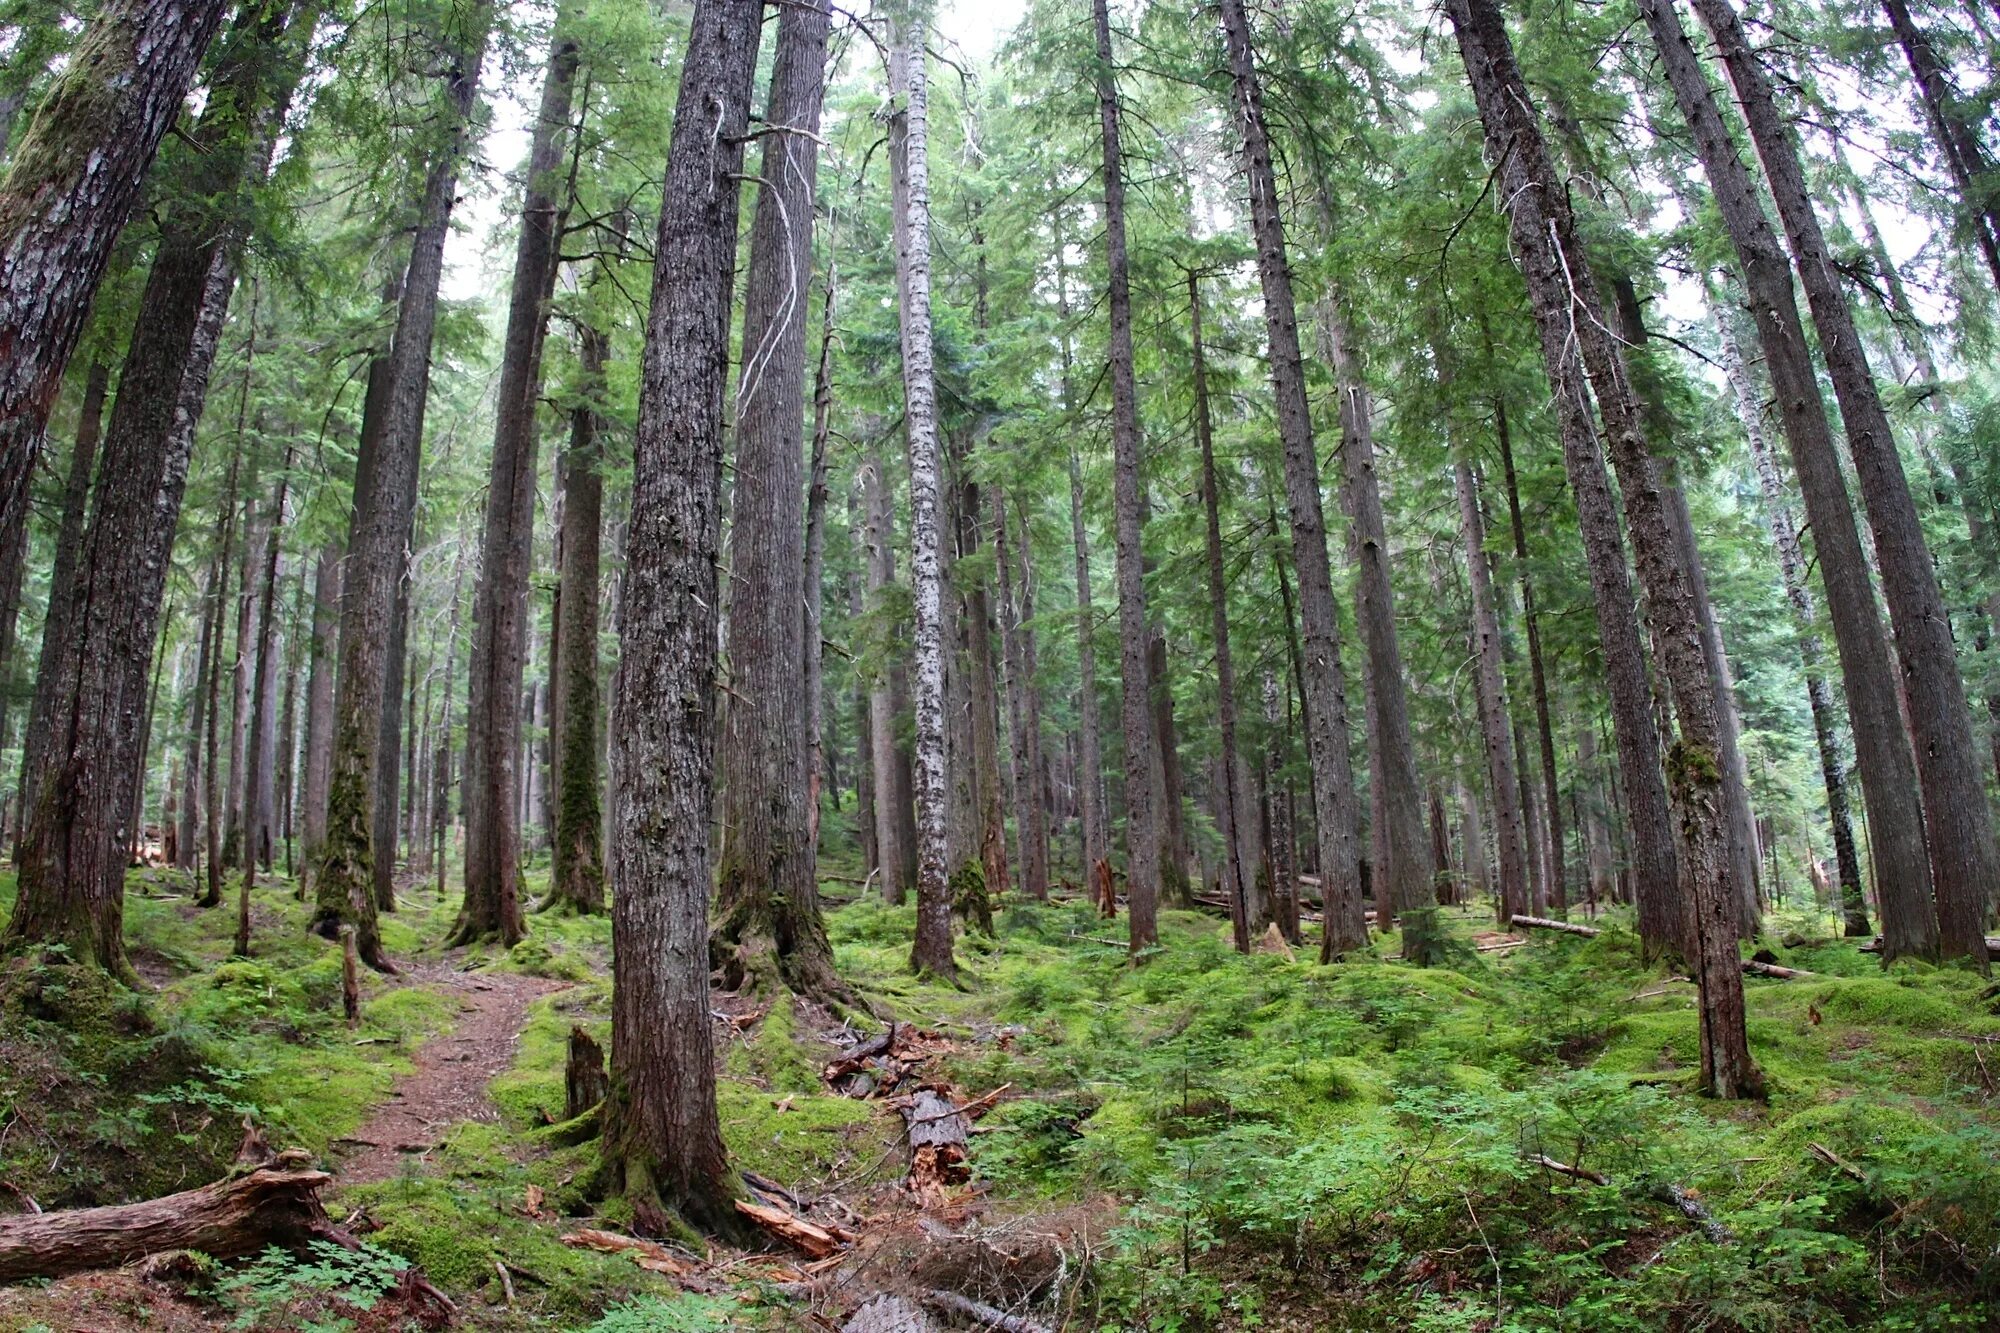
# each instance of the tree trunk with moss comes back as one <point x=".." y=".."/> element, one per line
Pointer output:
<point x="69" y="189"/>
<point x="768" y="926"/>
<point x="576" y="881"/>
<point x="385" y="487"/>
<point x="662" y="1139"/>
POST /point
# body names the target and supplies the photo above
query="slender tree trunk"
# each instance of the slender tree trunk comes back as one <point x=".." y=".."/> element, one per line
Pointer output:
<point x="500" y="627"/>
<point x="69" y="188"/>
<point x="1235" y="879"/>
<point x="1404" y="880"/>
<point x="1337" y="819"/>
<point x="1494" y="723"/>
<point x="769" y="926"/>
<point x="1571" y="317"/>
<point x="1143" y="795"/>
<point x="212" y="798"/>
<point x="820" y="754"/>
<point x="1888" y="768"/>
<point x="319" y="700"/>
<point x="1956" y="133"/>
<point x="1096" y="842"/>
<point x="890" y="773"/>
<point x="1030" y="813"/>
<point x="1957" y="816"/>
<point x="193" y="793"/>
<point x="385" y="830"/>
<point x="932" y="949"/>
<point x="1278" y="821"/>
<point x="1537" y="674"/>
<point x="662" y="1140"/>
<point x="379" y="534"/>
<point x="262" y="751"/>
<point x="576" y="881"/>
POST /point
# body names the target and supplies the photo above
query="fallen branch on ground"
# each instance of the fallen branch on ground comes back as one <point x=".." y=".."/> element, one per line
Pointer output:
<point x="815" y="1240"/>
<point x="986" y="1316"/>
<point x="1548" y="1163"/>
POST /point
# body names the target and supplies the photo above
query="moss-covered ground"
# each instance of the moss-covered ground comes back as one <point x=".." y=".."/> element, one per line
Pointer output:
<point x="1201" y="1140"/>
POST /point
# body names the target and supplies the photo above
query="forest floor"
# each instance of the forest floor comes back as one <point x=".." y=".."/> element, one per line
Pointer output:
<point x="1510" y="1140"/>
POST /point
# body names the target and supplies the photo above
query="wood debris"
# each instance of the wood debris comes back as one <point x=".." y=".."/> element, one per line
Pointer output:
<point x="886" y="1062"/>
<point x="648" y="1254"/>
<point x="815" y="1240"/>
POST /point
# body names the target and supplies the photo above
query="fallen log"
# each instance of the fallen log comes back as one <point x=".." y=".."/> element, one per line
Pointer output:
<point x="239" y="1215"/>
<point x="888" y="1313"/>
<point x="1549" y="923"/>
<point x="1992" y="946"/>
<point x="937" y="1134"/>
<point x="815" y="1240"/>
<point x="983" y="1315"/>
<point x="1761" y="969"/>
<point x="855" y="1058"/>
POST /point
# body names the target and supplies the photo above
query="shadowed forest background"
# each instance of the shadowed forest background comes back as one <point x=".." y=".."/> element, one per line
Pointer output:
<point x="1256" y="664"/>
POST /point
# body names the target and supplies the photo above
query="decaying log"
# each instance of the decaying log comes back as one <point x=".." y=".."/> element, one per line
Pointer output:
<point x="273" y="1205"/>
<point x="1992" y="946"/>
<point x="888" y="1314"/>
<point x="585" y="1083"/>
<point x="855" y="1058"/>
<point x="1693" y="1209"/>
<point x="648" y="1254"/>
<point x="1549" y="923"/>
<point x="983" y="1315"/>
<point x="1762" y="969"/>
<point x="937" y="1135"/>
<point x="815" y="1240"/>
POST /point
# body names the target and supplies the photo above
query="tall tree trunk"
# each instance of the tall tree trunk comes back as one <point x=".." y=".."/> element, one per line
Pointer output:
<point x="1571" y="317"/>
<point x="385" y="487"/>
<point x="262" y="752"/>
<point x="576" y="881"/>
<point x="1798" y="591"/>
<point x="1956" y="133"/>
<point x="820" y="753"/>
<point x="500" y="628"/>
<point x="1888" y="768"/>
<point x="1495" y="726"/>
<point x="1278" y="822"/>
<point x="891" y="773"/>
<point x="1242" y="892"/>
<point x="1030" y="812"/>
<point x="989" y="805"/>
<point x="1957" y="817"/>
<point x="214" y="807"/>
<point x="769" y="926"/>
<point x="662" y="1140"/>
<point x="319" y="700"/>
<point x="193" y="793"/>
<point x="1144" y="797"/>
<point x="69" y="189"/>
<point x="1403" y="878"/>
<point x="1090" y="762"/>
<point x="1337" y="819"/>
<point x="385" y="830"/>
<point x="932" y="950"/>
<point x="1537" y="673"/>
<point x="72" y="866"/>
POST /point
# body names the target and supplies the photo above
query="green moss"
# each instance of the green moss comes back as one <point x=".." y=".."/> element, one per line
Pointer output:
<point x="805" y="1141"/>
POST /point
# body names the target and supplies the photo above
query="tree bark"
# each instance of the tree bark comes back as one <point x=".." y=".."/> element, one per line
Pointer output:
<point x="932" y="950"/>
<point x="767" y="902"/>
<point x="1404" y="880"/>
<point x="1957" y="817"/>
<point x="73" y="863"/>
<point x="1144" y="798"/>
<point x="1957" y="134"/>
<point x="1090" y="762"/>
<point x="1030" y="812"/>
<point x="1337" y="818"/>
<point x="1242" y="893"/>
<point x="1571" y="317"/>
<point x="891" y="768"/>
<point x="1495" y="727"/>
<point x="576" y="881"/>
<point x="69" y="189"/>
<point x="319" y="700"/>
<point x="662" y="1140"/>
<point x="262" y="752"/>
<point x="500" y="628"/>
<point x="385" y="487"/>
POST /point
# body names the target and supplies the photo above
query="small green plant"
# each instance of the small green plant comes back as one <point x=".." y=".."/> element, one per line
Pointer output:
<point x="688" y="1312"/>
<point x="277" y="1279"/>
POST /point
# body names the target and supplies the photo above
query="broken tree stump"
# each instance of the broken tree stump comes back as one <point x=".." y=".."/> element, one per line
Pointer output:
<point x="585" y="1083"/>
<point x="1107" y="890"/>
<point x="273" y="1205"/>
<point x="937" y="1133"/>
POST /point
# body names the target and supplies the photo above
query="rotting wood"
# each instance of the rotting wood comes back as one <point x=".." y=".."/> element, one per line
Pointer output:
<point x="585" y="1084"/>
<point x="888" y="1313"/>
<point x="983" y="1315"/>
<point x="815" y="1240"/>
<point x="648" y="1254"/>
<point x="937" y="1132"/>
<point x="235" y="1216"/>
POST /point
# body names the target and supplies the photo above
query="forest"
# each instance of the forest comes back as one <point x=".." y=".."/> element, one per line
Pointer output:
<point x="1034" y="665"/>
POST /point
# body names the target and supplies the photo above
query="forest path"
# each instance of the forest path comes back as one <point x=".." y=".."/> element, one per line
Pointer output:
<point x="448" y="1085"/>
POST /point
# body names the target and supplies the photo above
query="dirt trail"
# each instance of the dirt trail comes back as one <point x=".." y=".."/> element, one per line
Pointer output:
<point x="448" y="1085"/>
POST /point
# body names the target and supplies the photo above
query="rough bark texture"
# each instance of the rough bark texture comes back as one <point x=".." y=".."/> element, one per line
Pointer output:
<point x="261" y="756"/>
<point x="1798" y="591"/>
<point x="319" y="700"/>
<point x="1090" y="760"/>
<point x="1236" y="882"/>
<point x="894" y="840"/>
<point x="1887" y="766"/>
<point x="1337" y="817"/>
<point x="767" y="901"/>
<point x="576" y="880"/>
<point x="69" y="188"/>
<point x="1957" y="816"/>
<point x="1403" y="875"/>
<point x="385" y="488"/>
<point x="932" y="949"/>
<point x="1570" y="314"/>
<point x="73" y="852"/>
<point x="1143" y="795"/>
<point x="499" y="651"/>
<point x="662" y="1140"/>
<point x="981" y="780"/>
<point x="1494" y="727"/>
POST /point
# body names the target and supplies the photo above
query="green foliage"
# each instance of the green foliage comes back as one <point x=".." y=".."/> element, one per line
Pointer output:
<point x="687" y="1312"/>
